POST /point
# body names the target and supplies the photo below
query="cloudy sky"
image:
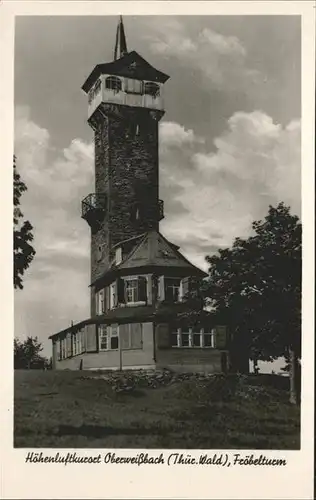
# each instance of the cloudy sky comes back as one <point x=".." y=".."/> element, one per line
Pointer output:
<point x="229" y="141"/>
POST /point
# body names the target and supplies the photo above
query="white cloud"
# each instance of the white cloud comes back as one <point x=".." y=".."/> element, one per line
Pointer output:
<point x="172" y="134"/>
<point x="56" y="182"/>
<point x="256" y="163"/>
<point x="222" y="44"/>
<point x="220" y="59"/>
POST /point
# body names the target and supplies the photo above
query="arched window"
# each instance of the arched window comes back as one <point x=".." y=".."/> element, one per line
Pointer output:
<point x="113" y="83"/>
<point x="152" y="89"/>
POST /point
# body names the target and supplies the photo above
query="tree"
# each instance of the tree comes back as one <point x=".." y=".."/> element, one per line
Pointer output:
<point x="23" y="251"/>
<point x="27" y="354"/>
<point x="256" y="290"/>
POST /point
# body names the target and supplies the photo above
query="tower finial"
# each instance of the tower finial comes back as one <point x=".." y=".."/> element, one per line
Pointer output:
<point x="120" y="43"/>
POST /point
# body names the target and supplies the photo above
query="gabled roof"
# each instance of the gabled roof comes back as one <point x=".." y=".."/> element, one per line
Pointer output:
<point x="131" y="65"/>
<point x="152" y="250"/>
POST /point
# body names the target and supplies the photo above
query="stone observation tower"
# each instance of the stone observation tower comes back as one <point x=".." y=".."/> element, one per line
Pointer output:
<point x="139" y="279"/>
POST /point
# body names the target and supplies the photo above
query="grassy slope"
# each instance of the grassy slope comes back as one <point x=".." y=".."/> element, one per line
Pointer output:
<point x="68" y="409"/>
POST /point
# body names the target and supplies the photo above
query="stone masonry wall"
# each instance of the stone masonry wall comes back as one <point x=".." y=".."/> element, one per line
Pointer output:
<point x="126" y="168"/>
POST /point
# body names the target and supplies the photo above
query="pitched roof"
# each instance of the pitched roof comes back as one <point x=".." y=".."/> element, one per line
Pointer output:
<point x="152" y="250"/>
<point x="131" y="65"/>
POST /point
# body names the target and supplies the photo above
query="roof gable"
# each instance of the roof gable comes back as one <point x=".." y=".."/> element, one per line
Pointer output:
<point x="155" y="250"/>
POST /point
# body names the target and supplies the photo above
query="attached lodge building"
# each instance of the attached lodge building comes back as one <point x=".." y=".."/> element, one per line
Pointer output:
<point x="138" y="277"/>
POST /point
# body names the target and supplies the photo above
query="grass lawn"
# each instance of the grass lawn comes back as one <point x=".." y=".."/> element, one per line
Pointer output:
<point x="81" y="410"/>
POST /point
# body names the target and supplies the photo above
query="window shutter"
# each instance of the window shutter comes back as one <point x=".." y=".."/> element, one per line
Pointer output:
<point x="124" y="336"/>
<point x="69" y="346"/>
<point x="185" y="286"/>
<point x="91" y="338"/>
<point x="106" y="299"/>
<point x="149" y="289"/>
<point x="96" y="301"/>
<point x="120" y="295"/>
<point x="113" y="294"/>
<point x="83" y="341"/>
<point x="161" y="288"/>
<point x="220" y="337"/>
<point x="142" y="289"/>
<point x="100" y="301"/>
<point x="136" y="335"/>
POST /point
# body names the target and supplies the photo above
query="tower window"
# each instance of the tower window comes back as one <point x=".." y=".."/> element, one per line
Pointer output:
<point x="135" y="213"/>
<point x="152" y="89"/>
<point x="113" y="83"/>
<point x="100" y="252"/>
<point x="133" y="86"/>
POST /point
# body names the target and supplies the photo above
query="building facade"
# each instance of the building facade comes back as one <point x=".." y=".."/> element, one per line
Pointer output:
<point x="139" y="279"/>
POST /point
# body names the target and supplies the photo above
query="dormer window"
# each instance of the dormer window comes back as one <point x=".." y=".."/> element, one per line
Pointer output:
<point x="152" y="89"/>
<point x="113" y="83"/>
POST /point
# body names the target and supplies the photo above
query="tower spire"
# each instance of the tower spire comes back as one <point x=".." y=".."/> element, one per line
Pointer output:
<point x="120" y="43"/>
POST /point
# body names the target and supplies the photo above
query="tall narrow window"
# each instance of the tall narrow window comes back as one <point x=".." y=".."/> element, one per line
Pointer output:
<point x="196" y="337"/>
<point x="172" y="289"/>
<point x="112" y="289"/>
<point x="152" y="89"/>
<point x="131" y="289"/>
<point x="78" y="342"/>
<point x="135" y="213"/>
<point x="103" y="338"/>
<point x="113" y="83"/>
<point x="63" y="348"/>
<point x="114" y="337"/>
<point x="100" y="302"/>
<point x="185" y="339"/>
<point x="74" y="344"/>
<point x="174" y="339"/>
<point x="209" y="338"/>
<point x="133" y="86"/>
<point x="118" y="256"/>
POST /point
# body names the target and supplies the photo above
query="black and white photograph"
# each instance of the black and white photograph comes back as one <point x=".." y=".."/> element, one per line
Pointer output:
<point x="161" y="158"/>
<point x="157" y="239"/>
